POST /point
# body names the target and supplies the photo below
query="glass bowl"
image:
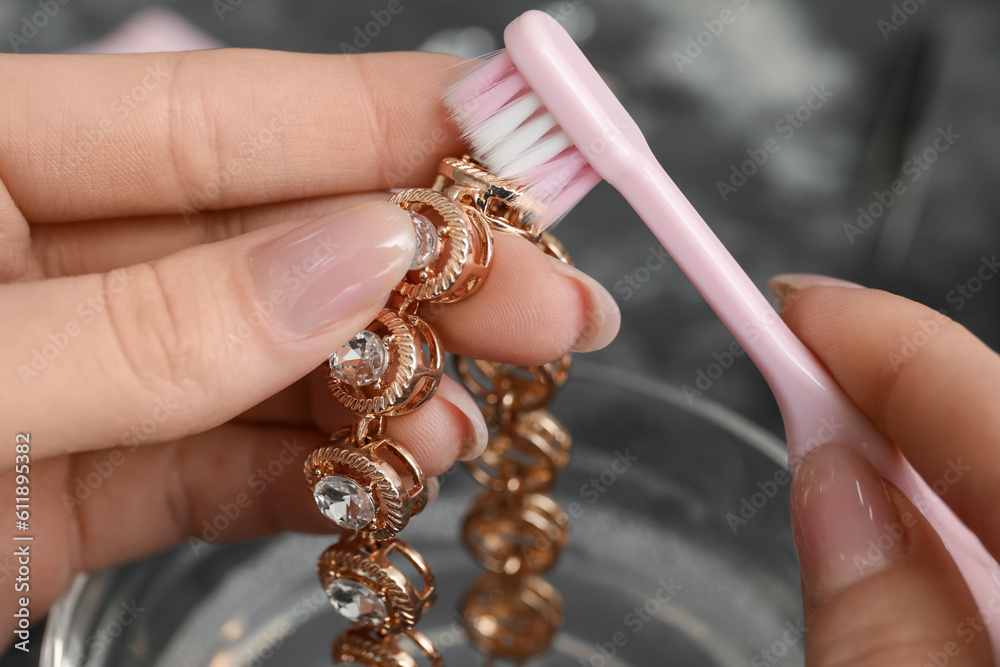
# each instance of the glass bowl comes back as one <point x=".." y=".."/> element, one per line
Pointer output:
<point x="680" y="554"/>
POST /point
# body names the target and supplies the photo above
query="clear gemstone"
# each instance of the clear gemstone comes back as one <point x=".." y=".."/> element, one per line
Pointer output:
<point x="361" y="360"/>
<point x="344" y="502"/>
<point x="427" y="242"/>
<point x="356" y="602"/>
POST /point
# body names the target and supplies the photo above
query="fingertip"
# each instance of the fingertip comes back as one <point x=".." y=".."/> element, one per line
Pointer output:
<point x="846" y="527"/>
<point x="784" y="286"/>
<point x="475" y="433"/>
<point x="917" y="610"/>
<point x="433" y="489"/>
<point x="436" y="434"/>
<point x="599" y="316"/>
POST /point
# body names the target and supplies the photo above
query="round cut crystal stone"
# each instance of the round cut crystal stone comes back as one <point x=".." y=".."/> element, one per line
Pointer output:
<point x="361" y="360"/>
<point x="356" y="602"/>
<point x="344" y="501"/>
<point x="427" y="242"/>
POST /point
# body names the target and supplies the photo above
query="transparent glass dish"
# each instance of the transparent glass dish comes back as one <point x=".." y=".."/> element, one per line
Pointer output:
<point x="680" y="554"/>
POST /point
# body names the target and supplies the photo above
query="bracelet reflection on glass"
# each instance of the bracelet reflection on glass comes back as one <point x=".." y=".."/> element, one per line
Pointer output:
<point x="370" y="485"/>
<point x="514" y="528"/>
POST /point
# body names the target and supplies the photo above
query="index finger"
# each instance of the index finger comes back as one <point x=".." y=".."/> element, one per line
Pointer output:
<point x="85" y="137"/>
<point x="927" y="383"/>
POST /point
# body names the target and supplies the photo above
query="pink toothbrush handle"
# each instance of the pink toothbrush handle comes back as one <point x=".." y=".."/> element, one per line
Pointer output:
<point x="814" y="407"/>
<point x="601" y="129"/>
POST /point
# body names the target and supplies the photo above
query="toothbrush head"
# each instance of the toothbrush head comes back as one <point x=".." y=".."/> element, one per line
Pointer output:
<point x="538" y="116"/>
<point x="516" y="139"/>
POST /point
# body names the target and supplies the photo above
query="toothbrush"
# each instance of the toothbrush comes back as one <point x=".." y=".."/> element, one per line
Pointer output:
<point x="539" y="116"/>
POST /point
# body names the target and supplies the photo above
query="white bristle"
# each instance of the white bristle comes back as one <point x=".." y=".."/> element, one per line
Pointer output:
<point x="495" y="131"/>
<point x="517" y="139"/>
<point x="520" y="141"/>
<point x="537" y="155"/>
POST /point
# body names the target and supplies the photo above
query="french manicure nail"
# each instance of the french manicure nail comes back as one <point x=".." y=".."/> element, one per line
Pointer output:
<point x="784" y="285"/>
<point x="333" y="266"/>
<point x="433" y="489"/>
<point x="845" y="525"/>
<point x="602" y="315"/>
<point x="476" y="435"/>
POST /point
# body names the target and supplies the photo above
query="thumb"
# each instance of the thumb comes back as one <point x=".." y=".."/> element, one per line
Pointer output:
<point x="878" y="585"/>
<point x="161" y="350"/>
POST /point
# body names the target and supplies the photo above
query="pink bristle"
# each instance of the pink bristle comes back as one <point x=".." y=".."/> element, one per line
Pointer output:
<point x="560" y="183"/>
<point x="481" y="102"/>
<point x="465" y="97"/>
<point x="475" y="111"/>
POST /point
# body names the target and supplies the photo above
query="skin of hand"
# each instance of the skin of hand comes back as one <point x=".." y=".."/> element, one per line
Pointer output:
<point x="879" y="587"/>
<point x="184" y="239"/>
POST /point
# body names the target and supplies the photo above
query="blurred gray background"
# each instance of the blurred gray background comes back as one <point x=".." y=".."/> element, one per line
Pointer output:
<point x="884" y="79"/>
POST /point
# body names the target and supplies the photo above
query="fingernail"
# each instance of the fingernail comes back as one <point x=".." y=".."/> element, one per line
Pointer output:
<point x="333" y="266"/>
<point x="433" y="489"/>
<point x="845" y="525"/>
<point x="600" y="310"/>
<point x="476" y="434"/>
<point x="785" y="285"/>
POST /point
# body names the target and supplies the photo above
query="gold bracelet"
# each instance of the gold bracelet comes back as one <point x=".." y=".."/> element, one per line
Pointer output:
<point x="370" y="486"/>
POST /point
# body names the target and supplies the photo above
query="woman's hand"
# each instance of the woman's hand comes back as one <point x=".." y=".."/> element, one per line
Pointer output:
<point x="880" y="589"/>
<point x="183" y="237"/>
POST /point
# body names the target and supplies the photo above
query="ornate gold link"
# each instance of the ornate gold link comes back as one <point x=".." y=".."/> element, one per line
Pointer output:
<point x="513" y="617"/>
<point x="465" y="255"/>
<point x="513" y="533"/>
<point x="524" y="455"/>
<point x="508" y="388"/>
<point x="366" y="647"/>
<point x="371" y="486"/>
<point x="387" y="472"/>
<point x="411" y="377"/>
<point x="394" y="604"/>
